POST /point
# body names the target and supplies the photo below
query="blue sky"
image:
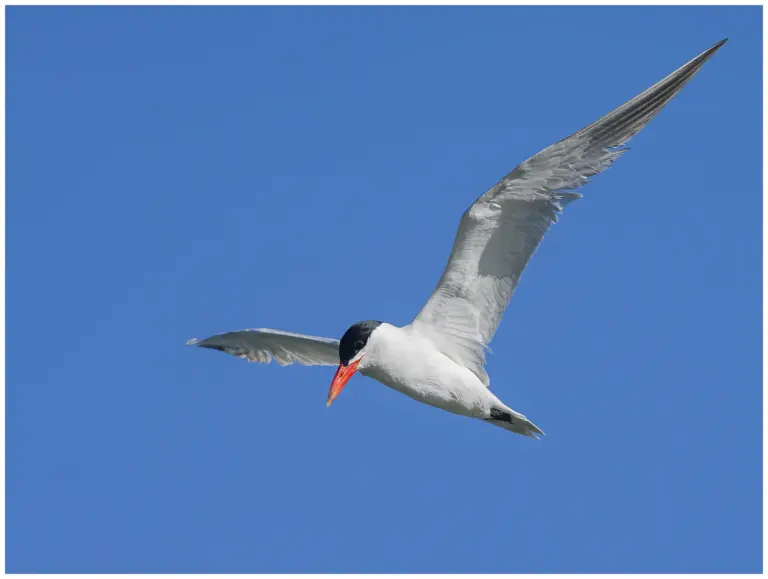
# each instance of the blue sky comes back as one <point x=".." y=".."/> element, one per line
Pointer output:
<point x="178" y="172"/>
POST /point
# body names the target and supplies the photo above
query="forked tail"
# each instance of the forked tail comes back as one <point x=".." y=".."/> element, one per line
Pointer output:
<point x="513" y="421"/>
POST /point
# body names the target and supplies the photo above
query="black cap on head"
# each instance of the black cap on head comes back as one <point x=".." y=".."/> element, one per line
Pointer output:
<point x="355" y="339"/>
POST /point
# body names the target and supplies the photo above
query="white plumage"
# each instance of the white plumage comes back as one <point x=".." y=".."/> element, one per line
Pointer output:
<point x="439" y="358"/>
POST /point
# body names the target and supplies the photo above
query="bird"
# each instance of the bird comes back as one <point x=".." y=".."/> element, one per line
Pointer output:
<point x="439" y="358"/>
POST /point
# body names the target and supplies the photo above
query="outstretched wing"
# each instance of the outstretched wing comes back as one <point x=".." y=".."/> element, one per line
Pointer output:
<point x="499" y="233"/>
<point x="264" y="345"/>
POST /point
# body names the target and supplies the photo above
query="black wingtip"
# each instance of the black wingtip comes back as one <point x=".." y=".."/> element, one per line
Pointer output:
<point x="202" y="344"/>
<point x="699" y="61"/>
<point x="716" y="47"/>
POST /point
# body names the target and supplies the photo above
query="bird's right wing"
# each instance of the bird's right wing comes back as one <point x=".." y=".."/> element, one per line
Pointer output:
<point x="499" y="233"/>
<point x="264" y="345"/>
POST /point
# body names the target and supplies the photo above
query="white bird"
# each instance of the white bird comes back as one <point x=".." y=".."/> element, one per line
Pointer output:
<point x="439" y="358"/>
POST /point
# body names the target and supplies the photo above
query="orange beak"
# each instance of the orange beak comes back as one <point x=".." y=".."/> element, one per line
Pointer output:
<point x="343" y="374"/>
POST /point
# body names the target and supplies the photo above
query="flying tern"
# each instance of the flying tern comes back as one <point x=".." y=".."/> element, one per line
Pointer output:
<point x="439" y="358"/>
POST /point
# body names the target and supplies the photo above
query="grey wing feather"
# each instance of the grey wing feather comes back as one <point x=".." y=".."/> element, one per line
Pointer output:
<point x="499" y="233"/>
<point x="264" y="345"/>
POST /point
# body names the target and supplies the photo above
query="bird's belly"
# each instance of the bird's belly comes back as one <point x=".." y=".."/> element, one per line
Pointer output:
<point x="446" y="386"/>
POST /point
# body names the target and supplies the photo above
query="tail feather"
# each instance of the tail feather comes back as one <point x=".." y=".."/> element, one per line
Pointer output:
<point x="513" y="421"/>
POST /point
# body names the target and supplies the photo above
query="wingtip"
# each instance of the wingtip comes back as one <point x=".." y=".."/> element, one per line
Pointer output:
<point x="710" y="51"/>
<point x="719" y="44"/>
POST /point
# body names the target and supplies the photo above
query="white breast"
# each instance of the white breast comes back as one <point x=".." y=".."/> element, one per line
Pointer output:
<point x="409" y="363"/>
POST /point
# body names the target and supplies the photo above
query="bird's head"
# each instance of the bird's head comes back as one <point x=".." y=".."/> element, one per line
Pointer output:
<point x="352" y="349"/>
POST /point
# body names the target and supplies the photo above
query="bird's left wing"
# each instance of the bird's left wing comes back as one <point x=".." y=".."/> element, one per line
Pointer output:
<point x="499" y="233"/>
<point x="264" y="345"/>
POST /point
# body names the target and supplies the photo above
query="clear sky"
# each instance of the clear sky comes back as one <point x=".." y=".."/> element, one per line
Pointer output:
<point x="179" y="172"/>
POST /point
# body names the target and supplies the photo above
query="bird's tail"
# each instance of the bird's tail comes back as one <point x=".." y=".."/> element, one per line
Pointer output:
<point x="513" y="421"/>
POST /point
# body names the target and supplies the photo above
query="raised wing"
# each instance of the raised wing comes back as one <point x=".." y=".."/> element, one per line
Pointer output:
<point x="499" y="233"/>
<point x="264" y="345"/>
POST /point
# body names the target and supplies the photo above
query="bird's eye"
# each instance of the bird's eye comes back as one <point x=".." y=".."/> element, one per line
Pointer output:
<point x="359" y="345"/>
